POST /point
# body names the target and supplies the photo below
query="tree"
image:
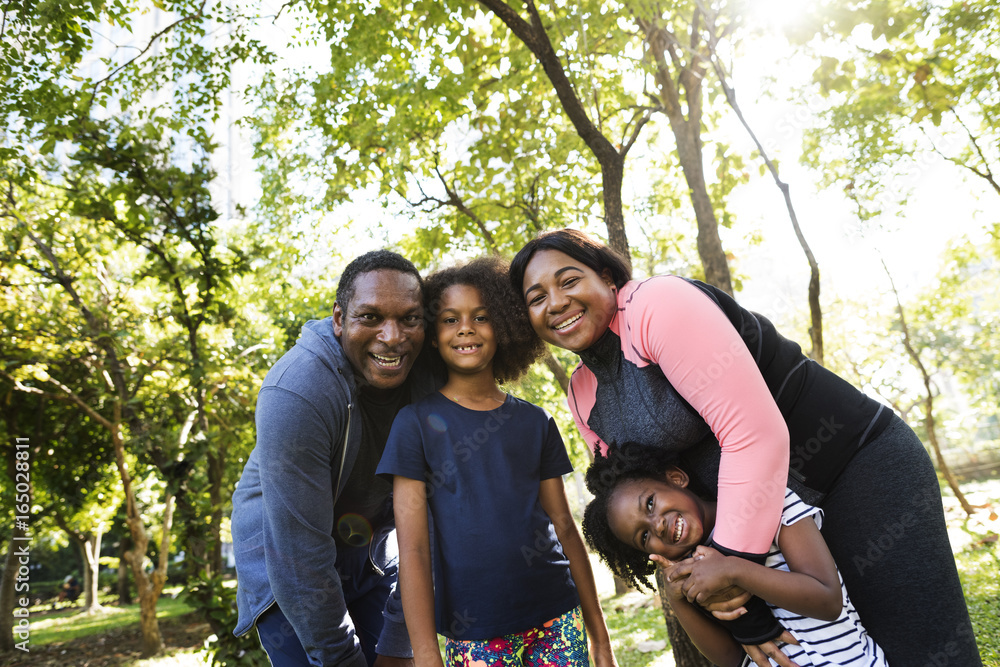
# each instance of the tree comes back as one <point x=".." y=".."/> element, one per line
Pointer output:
<point x="91" y="307"/>
<point x="722" y="73"/>
<point x="121" y="157"/>
<point x="921" y="86"/>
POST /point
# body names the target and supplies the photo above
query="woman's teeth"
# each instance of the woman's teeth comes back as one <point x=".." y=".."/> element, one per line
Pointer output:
<point x="568" y="322"/>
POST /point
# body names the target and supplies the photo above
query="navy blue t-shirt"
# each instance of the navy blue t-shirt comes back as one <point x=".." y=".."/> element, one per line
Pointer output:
<point x="498" y="566"/>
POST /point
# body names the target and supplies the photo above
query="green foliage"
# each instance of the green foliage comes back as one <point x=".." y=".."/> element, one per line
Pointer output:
<point x="911" y="79"/>
<point x="217" y="602"/>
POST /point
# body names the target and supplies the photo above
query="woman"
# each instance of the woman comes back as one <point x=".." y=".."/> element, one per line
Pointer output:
<point x="678" y="364"/>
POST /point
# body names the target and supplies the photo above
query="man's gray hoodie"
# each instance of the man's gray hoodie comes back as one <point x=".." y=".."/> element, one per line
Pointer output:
<point x="283" y="507"/>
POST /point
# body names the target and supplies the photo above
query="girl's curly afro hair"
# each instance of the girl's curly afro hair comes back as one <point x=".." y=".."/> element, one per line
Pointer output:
<point x="628" y="462"/>
<point x="518" y="346"/>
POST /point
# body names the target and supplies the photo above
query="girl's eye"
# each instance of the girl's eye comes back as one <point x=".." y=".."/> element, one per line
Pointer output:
<point x="645" y="537"/>
<point x="571" y="282"/>
<point x="649" y="503"/>
<point x="482" y="318"/>
<point x="536" y="300"/>
<point x="449" y="320"/>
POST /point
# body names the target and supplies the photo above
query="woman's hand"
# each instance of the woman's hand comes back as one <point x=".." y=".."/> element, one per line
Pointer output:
<point x="706" y="573"/>
<point x="760" y="653"/>
<point x="726" y="604"/>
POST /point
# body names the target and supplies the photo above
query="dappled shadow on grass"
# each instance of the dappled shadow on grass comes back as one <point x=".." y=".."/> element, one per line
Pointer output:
<point x="634" y="618"/>
<point x="115" y="646"/>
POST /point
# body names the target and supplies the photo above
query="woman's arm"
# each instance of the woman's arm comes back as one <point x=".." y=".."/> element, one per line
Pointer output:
<point x="553" y="498"/>
<point x="415" y="583"/>
<point x="811" y="587"/>
<point x="678" y="327"/>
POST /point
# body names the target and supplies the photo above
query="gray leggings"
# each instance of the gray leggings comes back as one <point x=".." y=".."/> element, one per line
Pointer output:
<point x="885" y="526"/>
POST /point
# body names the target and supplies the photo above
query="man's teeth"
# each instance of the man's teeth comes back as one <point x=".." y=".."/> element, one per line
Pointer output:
<point x="678" y="528"/>
<point x="568" y="322"/>
<point x="386" y="361"/>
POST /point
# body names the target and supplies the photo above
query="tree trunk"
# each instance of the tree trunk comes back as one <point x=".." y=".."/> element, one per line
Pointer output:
<point x="687" y="135"/>
<point x="149" y="586"/>
<point x="929" y="421"/>
<point x="8" y="594"/>
<point x="815" y="310"/>
<point x="90" y="553"/>
<point x="713" y="257"/>
<point x="124" y="589"/>
<point x="930" y="425"/>
<point x="216" y="472"/>
<point x="685" y="653"/>
<point x="532" y="34"/>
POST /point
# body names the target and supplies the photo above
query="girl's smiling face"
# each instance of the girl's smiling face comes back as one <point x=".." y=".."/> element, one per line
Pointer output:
<point x="463" y="333"/>
<point x="659" y="516"/>
<point x="570" y="305"/>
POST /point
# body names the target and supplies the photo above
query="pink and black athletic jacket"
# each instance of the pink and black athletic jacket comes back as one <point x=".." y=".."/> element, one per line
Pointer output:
<point x="683" y="366"/>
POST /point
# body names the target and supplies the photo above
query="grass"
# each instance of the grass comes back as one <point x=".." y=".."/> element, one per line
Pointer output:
<point x="634" y="620"/>
<point x="68" y="623"/>
<point x="980" y="572"/>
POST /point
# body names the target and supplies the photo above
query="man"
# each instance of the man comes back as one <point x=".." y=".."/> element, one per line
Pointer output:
<point x="312" y="525"/>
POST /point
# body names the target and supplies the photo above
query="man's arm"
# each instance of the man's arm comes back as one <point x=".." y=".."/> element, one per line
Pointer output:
<point x="297" y="446"/>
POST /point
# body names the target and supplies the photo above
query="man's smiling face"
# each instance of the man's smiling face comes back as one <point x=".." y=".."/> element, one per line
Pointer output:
<point x="382" y="328"/>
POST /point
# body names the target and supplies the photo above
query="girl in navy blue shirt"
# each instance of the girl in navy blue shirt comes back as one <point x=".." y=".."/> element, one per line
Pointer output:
<point x="489" y="554"/>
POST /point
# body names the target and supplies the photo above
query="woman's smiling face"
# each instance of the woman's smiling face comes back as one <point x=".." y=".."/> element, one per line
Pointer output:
<point x="570" y="305"/>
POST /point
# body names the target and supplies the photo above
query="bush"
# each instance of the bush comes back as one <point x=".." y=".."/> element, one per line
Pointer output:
<point x="217" y="602"/>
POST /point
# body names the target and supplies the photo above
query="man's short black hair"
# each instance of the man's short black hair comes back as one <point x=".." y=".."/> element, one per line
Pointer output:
<point x="371" y="261"/>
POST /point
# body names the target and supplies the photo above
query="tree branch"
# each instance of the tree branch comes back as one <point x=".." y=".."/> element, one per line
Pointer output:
<point x="66" y="394"/>
<point x="152" y="40"/>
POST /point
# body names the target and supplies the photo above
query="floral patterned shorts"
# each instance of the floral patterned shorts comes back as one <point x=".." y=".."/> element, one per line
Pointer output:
<point x="561" y="642"/>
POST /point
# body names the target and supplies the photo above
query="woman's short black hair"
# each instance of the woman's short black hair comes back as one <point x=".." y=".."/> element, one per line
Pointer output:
<point x="518" y="346"/>
<point x="581" y="247"/>
<point x="628" y="462"/>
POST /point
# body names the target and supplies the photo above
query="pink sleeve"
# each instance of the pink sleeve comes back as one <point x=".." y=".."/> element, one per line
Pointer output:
<point x="581" y="398"/>
<point x="681" y="329"/>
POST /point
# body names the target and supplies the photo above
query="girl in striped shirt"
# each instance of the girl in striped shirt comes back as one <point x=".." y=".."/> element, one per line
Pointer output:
<point x="645" y="512"/>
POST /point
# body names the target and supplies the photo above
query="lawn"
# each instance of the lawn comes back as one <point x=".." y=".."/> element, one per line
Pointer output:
<point x="66" y="637"/>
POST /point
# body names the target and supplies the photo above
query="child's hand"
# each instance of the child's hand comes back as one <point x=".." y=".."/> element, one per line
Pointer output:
<point x="604" y="657"/>
<point x="706" y="573"/>
<point x="674" y="582"/>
